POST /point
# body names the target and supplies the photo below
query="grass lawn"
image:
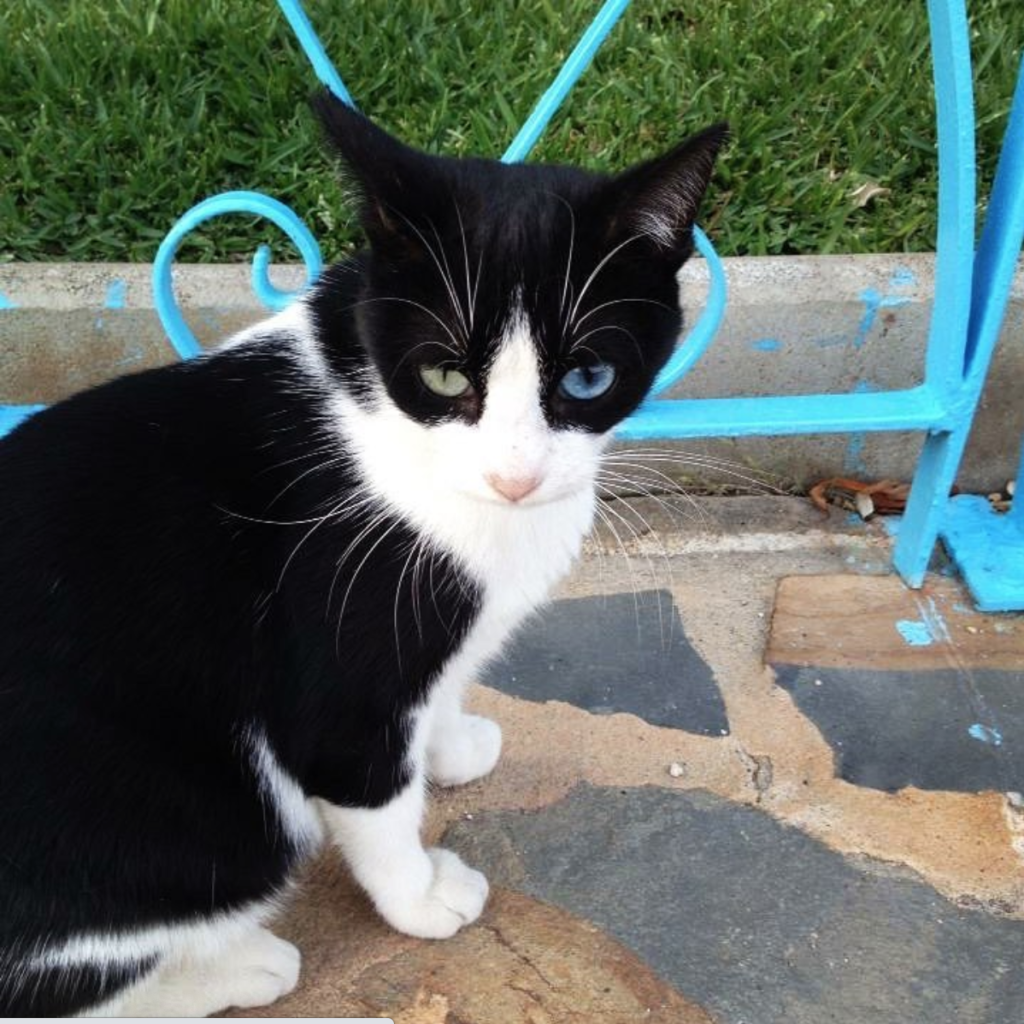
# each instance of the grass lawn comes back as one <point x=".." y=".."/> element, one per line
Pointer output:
<point x="118" y="115"/>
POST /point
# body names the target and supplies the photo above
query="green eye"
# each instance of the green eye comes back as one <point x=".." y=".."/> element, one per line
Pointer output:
<point x="444" y="381"/>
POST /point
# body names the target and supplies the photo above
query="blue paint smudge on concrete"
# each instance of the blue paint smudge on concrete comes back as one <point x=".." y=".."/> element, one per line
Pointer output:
<point x="915" y="633"/>
<point x="831" y="341"/>
<point x="892" y="525"/>
<point x="870" y="298"/>
<point x="984" y="734"/>
<point x="766" y="345"/>
<point x="874" y="301"/>
<point x="6" y="303"/>
<point x="925" y="631"/>
<point x="116" y="293"/>
<point x="853" y="459"/>
<point x="903" y="277"/>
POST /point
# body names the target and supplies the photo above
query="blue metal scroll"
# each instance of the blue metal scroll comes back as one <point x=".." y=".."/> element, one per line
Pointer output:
<point x="182" y="338"/>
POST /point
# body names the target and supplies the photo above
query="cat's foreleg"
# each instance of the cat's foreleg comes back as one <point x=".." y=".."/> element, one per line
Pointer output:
<point x="460" y="747"/>
<point x="428" y="893"/>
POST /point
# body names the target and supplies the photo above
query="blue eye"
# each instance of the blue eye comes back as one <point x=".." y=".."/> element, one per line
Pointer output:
<point x="585" y="382"/>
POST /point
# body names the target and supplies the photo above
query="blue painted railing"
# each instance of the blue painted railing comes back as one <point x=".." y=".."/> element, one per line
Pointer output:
<point x="970" y="300"/>
<point x="987" y="547"/>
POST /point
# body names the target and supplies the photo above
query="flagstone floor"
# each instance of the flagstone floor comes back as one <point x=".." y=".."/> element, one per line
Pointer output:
<point x="748" y="778"/>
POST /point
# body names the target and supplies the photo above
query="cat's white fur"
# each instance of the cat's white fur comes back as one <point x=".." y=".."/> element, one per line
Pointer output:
<point x="255" y="968"/>
<point x="299" y="820"/>
<point x="437" y="479"/>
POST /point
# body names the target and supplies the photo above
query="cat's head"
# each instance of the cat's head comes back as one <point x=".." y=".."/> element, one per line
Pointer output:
<point x="509" y="316"/>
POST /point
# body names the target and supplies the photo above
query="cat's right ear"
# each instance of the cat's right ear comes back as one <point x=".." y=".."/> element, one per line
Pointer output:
<point x="659" y="199"/>
<point x="389" y="177"/>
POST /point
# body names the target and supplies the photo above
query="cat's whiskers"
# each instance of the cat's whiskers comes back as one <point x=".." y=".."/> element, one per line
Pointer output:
<point x="398" y="593"/>
<point x="577" y="343"/>
<point x="381" y="515"/>
<point x="593" y="276"/>
<point x="450" y="284"/>
<point x="408" y="355"/>
<point x="338" y="460"/>
<point x="470" y="290"/>
<point x="621" y="480"/>
<point x="700" y="460"/>
<point x="273" y="522"/>
<point x="684" y="455"/>
<point x="567" y="282"/>
<point x="420" y="548"/>
<point x="601" y="510"/>
<point x="476" y="278"/>
<point x="261" y="607"/>
<point x="586" y="348"/>
<point x="351" y="583"/>
<point x="288" y="561"/>
<point x="675" y="453"/>
<point x="457" y="348"/>
<point x="343" y="507"/>
<point x="445" y="583"/>
<point x="666" y="499"/>
<point x="417" y="550"/>
<point x="359" y="498"/>
<point x="666" y="583"/>
<point x="616" y="302"/>
<point x="326" y="449"/>
<point x="668" y="485"/>
<point x="443" y="269"/>
<point x="649" y="530"/>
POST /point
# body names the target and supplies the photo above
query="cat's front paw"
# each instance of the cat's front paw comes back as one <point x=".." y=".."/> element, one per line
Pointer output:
<point x="466" y="752"/>
<point x="455" y="897"/>
<point x="259" y="970"/>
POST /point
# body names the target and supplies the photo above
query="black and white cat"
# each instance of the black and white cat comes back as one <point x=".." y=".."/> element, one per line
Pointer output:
<point x="240" y="597"/>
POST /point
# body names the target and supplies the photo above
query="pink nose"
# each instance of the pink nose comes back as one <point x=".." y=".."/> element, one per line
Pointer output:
<point x="515" y="488"/>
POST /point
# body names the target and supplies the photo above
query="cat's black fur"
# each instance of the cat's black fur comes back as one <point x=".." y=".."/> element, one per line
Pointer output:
<point x="166" y="582"/>
<point x="144" y="624"/>
<point x="521" y="221"/>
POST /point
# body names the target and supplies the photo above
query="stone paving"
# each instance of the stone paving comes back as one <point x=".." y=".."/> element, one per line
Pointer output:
<point x="739" y="785"/>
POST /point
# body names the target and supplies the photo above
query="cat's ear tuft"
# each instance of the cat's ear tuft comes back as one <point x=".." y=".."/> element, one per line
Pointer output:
<point x="384" y="172"/>
<point x="660" y="198"/>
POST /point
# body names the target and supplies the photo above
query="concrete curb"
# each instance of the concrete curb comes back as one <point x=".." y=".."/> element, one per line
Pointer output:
<point x="794" y="325"/>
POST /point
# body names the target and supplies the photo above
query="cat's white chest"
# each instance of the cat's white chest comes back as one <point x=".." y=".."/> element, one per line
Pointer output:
<point x="516" y="556"/>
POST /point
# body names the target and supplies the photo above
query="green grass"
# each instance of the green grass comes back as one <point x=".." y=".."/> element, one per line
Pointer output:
<point x="117" y="115"/>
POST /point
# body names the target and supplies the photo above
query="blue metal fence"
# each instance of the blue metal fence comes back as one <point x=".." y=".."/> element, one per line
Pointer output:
<point x="971" y="292"/>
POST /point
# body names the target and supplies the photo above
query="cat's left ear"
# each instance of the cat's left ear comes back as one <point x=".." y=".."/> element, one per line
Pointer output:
<point x="660" y="199"/>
